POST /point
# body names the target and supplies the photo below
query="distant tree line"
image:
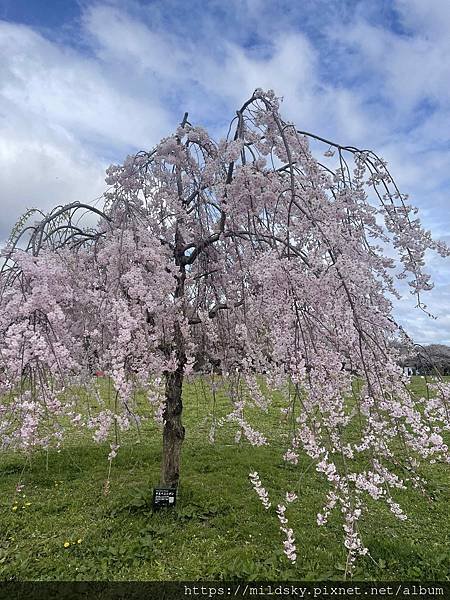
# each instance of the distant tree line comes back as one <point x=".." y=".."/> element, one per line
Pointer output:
<point x="427" y="360"/>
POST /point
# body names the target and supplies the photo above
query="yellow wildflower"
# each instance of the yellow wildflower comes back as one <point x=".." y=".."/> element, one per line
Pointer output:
<point x="66" y="544"/>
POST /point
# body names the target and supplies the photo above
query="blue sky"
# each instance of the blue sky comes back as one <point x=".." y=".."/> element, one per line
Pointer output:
<point x="83" y="84"/>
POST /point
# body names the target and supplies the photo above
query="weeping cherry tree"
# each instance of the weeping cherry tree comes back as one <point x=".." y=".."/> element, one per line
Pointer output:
<point x="260" y="262"/>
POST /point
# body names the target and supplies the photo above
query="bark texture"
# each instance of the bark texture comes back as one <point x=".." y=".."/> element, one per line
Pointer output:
<point x="174" y="432"/>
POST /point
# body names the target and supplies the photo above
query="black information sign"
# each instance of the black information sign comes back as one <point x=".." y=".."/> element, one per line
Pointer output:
<point x="164" y="497"/>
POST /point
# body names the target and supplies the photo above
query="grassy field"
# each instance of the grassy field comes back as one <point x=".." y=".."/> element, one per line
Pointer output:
<point x="62" y="526"/>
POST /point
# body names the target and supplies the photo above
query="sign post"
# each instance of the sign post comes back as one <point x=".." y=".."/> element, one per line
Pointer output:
<point x="164" y="496"/>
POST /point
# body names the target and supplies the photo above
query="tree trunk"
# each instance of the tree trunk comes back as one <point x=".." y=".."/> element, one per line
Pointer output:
<point x="173" y="434"/>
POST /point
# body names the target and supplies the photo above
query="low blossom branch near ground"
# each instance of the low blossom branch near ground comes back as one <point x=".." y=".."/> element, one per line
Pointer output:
<point x="262" y="493"/>
<point x="248" y="258"/>
<point x="289" y="543"/>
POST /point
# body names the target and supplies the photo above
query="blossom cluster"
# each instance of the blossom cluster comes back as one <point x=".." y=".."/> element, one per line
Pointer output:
<point x="247" y="258"/>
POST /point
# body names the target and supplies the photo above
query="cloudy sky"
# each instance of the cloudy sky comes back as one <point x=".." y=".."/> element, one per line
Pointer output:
<point x="84" y="83"/>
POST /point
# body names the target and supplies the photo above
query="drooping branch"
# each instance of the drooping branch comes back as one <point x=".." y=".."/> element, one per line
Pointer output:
<point x="259" y="259"/>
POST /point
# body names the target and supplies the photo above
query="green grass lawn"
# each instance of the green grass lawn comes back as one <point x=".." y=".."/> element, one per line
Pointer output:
<point x="62" y="526"/>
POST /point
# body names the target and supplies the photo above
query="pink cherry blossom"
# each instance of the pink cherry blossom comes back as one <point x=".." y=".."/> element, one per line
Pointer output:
<point x="247" y="259"/>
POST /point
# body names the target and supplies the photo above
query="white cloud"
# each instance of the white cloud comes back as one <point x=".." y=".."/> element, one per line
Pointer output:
<point x="429" y="19"/>
<point x="59" y="112"/>
<point x="212" y="76"/>
<point x="119" y="39"/>
<point x="42" y="167"/>
<point x="58" y="86"/>
<point x="67" y="110"/>
<point x="408" y="69"/>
